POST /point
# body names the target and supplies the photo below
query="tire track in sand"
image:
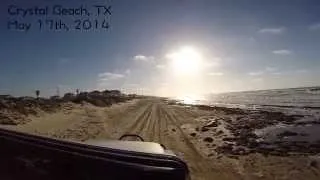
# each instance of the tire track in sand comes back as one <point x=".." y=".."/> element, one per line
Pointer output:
<point x="140" y="121"/>
<point x="179" y="142"/>
<point x="152" y="122"/>
<point x="159" y="123"/>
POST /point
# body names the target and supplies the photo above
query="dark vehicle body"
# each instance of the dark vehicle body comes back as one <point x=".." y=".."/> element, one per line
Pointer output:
<point x="25" y="156"/>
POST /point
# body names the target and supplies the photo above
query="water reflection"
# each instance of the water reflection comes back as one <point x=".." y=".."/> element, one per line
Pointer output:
<point x="191" y="99"/>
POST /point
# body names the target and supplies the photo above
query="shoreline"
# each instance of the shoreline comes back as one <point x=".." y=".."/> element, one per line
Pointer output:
<point x="247" y="131"/>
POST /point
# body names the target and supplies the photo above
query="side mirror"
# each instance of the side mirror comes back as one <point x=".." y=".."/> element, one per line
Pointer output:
<point x="131" y="137"/>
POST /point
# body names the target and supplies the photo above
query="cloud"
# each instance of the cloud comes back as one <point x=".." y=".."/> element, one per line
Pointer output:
<point x="160" y="66"/>
<point x="256" y="73"/>
<point x="143" y="58"/>
<point x="275" y="31"/>
<point x="215" y="74"/>
<point x="314" y="27"/>
<point x="267" y="70"/>
<point x="282" y="52"/>
<point x="109" y="76"/>
<point x="107" y="79"/>
<point x="273" y="71"/>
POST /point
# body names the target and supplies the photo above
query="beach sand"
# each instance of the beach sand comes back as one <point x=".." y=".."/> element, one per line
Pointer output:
<point x="216" y="143"/>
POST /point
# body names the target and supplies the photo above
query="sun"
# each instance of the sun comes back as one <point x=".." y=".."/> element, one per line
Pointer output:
<point x="185" y="61"/>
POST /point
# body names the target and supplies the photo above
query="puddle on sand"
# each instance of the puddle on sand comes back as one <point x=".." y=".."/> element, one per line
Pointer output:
<point x="307" y="133"/>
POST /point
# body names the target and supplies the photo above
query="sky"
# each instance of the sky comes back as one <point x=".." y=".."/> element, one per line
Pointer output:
<point x="164" y="48"/>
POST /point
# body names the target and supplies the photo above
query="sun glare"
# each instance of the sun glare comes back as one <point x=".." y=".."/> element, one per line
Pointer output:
<point x="190" y="99"/>
<point x="186" y="61"/>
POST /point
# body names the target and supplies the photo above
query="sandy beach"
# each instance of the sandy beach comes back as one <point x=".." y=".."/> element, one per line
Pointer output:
<point x="216" y="143"/>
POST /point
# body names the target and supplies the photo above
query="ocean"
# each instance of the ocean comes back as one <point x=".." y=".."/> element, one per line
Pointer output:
<point x="304" y="101"/>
